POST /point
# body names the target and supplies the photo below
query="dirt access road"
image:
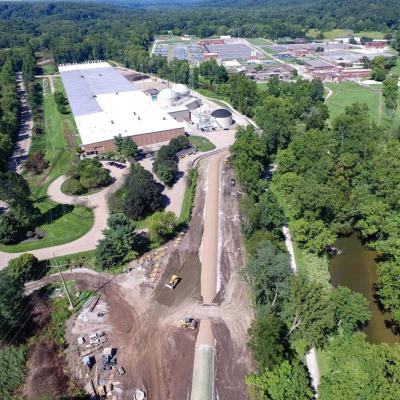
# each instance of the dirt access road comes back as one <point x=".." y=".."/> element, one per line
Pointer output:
<point x="142" y="322"/>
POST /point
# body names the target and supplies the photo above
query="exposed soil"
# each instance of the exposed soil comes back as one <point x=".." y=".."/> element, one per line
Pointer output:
<point x="231" y="371"/>
<point x="141" y="323"/>
<point x="45" y="374"/>
<point x="69" y="137"/>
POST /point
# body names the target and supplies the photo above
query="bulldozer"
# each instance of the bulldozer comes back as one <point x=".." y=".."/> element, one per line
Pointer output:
<point x="188" y="322"/>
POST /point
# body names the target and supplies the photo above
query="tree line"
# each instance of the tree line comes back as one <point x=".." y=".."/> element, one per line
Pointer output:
<point x="327" y="180"/>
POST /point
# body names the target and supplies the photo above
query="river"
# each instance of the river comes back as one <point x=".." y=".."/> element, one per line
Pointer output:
<point x="356" y="269"/>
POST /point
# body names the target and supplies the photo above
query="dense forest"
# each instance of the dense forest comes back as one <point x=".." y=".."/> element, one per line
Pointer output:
<point x="327" y="180"/>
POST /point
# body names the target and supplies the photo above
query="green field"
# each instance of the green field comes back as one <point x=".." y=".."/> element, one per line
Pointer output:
<point x="347" y="93"/>
<point x="190" y="191"/>
<point x="49" y="69"/>
<point x="202" y="143"/>
<point x="215" y="97"/>
<point x="61" y="223"/>
<point x="339" y="33"/>
<point x="57" y="142"/>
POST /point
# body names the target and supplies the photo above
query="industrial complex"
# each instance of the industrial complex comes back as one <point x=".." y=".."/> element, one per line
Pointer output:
<point x="105" y="105"/>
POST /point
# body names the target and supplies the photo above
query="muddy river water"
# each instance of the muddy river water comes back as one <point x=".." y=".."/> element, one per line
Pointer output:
<point x="356" y="269"/>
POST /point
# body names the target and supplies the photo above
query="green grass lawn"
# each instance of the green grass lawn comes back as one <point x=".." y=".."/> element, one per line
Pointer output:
<point x="61" y="224"/>
<point x="188" y="199"/>
<point x="323" y="361"/>
<point x="347" y="93"/>
<point x="257" y="41"/>
<point x="209" y="93"/>
<point x="339" y="33"/>
<point x="57" y="141"/>
<point x="49" y="69"/>
<point x="202" y="143"/>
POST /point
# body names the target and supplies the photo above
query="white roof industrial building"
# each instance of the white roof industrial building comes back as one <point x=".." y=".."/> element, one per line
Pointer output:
<point x="105" y="105"/>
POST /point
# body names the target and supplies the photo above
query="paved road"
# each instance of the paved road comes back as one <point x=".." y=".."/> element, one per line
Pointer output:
<point x="97" y="201"/>
<point x="24" y="138"/>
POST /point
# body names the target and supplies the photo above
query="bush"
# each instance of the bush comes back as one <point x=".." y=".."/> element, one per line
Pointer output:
<point x="23" y="268"/>
<point x="165" y="165"/>
<point x="120" y="244"/>
<point x="73" y="186"/>
<point x="61" y="102"/>
<point x="166" y="170"/>
<point x="9" y="229"/>
<point x="12" y="370"/>
<point x="162" y="226"/>
<point x="91" y="174"/>
<point x="142" y="194"/>
<point x="36" y="163"/>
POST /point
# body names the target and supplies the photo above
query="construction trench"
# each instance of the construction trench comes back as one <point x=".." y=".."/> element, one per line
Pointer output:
<point x="141" y="319"/>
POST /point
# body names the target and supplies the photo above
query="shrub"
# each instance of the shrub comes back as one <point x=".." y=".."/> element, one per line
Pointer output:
<point x="91" y="174"/>
<point x="23" y="268"/>
<point x="9" y="229"/>
<point x="142" y="193"/>
<point x="120" y="244"/>
<point x="165" y="165"/>
<point x="166" y="170"/>
<point x="162" y="226"/>
<point x="12" y="370"/>
<point x="73" y="186"/>
<point x="36" y="163"/>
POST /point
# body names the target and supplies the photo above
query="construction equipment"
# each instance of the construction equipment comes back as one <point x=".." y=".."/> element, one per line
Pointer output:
<point x="188" y="322"/>
<point x="173" y="282"/>
<point x="120" y="370"/>
<point x="108" y="360"/>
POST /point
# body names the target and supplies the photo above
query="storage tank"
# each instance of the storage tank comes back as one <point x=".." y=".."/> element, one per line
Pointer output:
<point x="180" y="89"/>
<point x="223" y="118"/>
<point x="166" y="98"/>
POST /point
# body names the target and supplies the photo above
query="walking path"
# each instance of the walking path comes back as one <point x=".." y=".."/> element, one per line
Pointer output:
<point x="311" y="356"/>
<point x="24" y="138"/>
<point x="97" y="201"/>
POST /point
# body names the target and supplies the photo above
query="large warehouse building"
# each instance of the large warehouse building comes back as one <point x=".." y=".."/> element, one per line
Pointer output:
<point x="105" y="105"/>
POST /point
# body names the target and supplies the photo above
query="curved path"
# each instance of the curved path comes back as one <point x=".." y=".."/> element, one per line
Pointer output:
<point x="97" y="202"/>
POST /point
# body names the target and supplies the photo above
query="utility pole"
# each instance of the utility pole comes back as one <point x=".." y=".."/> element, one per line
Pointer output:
<point x="71" y="306"/>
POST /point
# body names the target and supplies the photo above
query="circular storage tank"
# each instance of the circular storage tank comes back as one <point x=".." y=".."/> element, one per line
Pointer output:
<point x="180" y="89"/>
<point x="166" y="98"/>
<point x="223" y="117"/>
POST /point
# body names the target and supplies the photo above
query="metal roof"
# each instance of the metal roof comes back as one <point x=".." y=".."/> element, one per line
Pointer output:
<point x="86" y="81"/>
